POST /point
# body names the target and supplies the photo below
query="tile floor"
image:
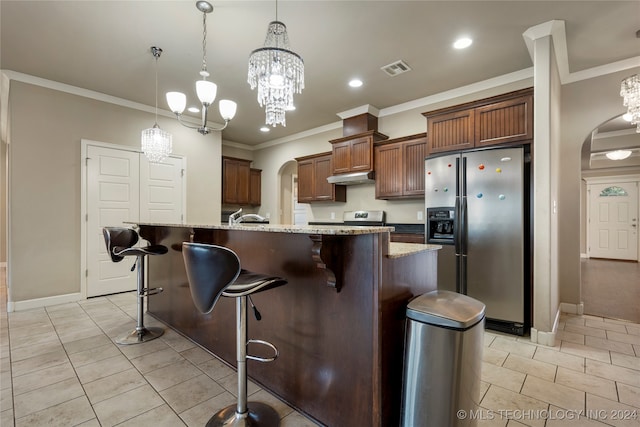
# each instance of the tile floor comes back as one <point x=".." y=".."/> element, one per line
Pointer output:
<point x="60" y="367"/>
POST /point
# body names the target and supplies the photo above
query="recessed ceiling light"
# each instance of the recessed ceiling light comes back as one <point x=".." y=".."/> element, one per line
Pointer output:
<point x="355" y="83"/>
<point x="193" y="109"/>
<point x="264" y="129"/>
<point x="462" y="43"/>
<point x="626" y="117"/>
<point x="618" y="154"/>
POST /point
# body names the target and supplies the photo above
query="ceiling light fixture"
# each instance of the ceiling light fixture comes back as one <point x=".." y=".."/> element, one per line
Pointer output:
<point x="156" y="144"/>
<point x="277" y="72"/>
<point x="355" y="83"/>
<point x="630" y="92"/>
<point x="618" y="154"/>
<point x="205" y="89"/>
<point x="462" y="43"/>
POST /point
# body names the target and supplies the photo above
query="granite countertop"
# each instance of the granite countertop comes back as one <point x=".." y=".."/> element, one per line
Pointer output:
<point x="337" y="230"/>
<point x="397" y="249"/>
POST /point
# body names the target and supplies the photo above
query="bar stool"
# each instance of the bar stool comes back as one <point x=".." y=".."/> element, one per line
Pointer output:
<point x="120" y="243"/>
<point x="214" y="271"/>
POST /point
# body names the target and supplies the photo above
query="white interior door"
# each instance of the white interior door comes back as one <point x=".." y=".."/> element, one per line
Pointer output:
<point x="161" y="190"/>
<point x="113" y="178"/>
<point x="613" y="220"/>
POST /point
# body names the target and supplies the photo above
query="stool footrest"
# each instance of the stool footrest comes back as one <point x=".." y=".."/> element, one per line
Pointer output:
<point x="150" y="291"/>
<point x="263" y="359"/>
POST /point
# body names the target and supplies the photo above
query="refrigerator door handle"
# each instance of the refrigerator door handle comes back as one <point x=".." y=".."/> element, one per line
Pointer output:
<point x="463" y="233"/>
<point x="456" y="227"/>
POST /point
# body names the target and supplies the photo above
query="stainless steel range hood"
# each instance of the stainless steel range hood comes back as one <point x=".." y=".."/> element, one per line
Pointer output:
<point x="352" y="178"/>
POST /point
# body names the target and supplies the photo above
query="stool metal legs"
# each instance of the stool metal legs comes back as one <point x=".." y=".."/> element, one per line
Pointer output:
<point x="141" y="334"/>
<point x="245" y="414"/>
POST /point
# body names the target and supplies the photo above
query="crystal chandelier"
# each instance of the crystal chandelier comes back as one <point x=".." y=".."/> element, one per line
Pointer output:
<point x="156" y="143"/>
<point x="630" y="92"/>
<point x="205" y="89"/>
<point x="277" y="72"/>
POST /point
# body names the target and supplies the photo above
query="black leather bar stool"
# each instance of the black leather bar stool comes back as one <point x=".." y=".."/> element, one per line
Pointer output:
<point x="120" y="242"/>
<point x="214" y="271"/>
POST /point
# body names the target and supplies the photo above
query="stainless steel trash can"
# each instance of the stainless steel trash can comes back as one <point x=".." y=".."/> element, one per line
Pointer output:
<point x="443" y="359"/>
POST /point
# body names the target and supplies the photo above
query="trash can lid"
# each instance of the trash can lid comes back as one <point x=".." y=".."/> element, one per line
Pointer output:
<point x="446" y="309"/>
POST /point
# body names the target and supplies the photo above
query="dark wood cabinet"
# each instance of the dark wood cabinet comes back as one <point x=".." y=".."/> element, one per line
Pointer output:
<point x="502" y="119"/>
<point x="354" y="153"/>
<point x="399" y="166"/>
<point x="313" y="172"/>
<point x="238" y="182"/>
<point x="255" y="183"/>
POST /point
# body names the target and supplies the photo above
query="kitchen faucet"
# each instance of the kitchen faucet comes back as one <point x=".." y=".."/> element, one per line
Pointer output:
<point x="235" y="219"/>
<point x="233" y="216"/>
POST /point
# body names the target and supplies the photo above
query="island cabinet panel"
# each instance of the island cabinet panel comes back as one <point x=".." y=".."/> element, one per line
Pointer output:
<point x="313" y="186"/>
<point x="235" y="181"/>
<point x="354" y="153"/>
<point x="399" y="167"/>
<point x="340" y="352"/>
<point x="502" y="119"/>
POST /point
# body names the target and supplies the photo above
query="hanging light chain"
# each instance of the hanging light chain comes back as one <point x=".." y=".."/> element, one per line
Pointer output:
<point x="204" y="41"/>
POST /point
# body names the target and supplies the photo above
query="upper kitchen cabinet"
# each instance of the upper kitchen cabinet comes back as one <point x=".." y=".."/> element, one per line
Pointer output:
<point x="502" y="119"/>
<point x="354" y="153"/>
<point x="399" y="166"/>
<point x="313" y="186"/>
<point x="239" y="182"/>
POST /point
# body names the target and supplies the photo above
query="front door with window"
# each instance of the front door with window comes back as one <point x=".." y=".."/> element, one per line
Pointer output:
<point x="613" y="220"/>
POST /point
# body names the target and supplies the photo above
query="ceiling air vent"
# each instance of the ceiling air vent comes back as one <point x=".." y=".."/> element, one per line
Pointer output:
<point x="396" y="68"/>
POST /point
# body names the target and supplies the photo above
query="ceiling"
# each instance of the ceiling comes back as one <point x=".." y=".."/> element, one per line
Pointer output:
<point x="104" y="46"/>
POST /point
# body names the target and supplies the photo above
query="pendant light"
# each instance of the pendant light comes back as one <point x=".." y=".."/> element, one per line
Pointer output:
<point x="156" y="144"/>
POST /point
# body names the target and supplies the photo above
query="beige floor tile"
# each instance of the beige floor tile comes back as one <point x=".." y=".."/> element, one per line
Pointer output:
<point x="636" y="348"/>
<point x="176" y="341"/>
<point x="585" y="330"/>
<point x="625" y="360"/>
<point x="574" y="337"/>
<point x="623" y="337"/>
<point x="215" y="369"/>
<point x="70" y="413"/>
<point x="127" y="405"/>
<point x="36" y="363"/>
<point x="6" y="418"/>
<point x="569" y="319"/>
<point x="191" y="393"/>
<point x="113" y="385"/>
<point x="607" y="344"/>
<point x="585" y="351"/>
<point x="555" y="394"/>
<point x="84" y="344"/>
<point x="488" y="419"/>
<point x="26" y="352"/>
<point x="506" y="378"/>
<point x="546" y="371"/>
<point x="137" y="350"/>
<point x="512" y="346"/>
<point x="230" y="383"/>
<point x="484" y="386"/>
<point x="45" y="397"/>
<point x="6" y="399"/>
<point x="26" y="340"/>
<point x="43" y="377"/>
<point x="152" y="361"/>
<point x="612" y="372"/>
<point x="633" y="329"/>
<point x="609" y="326"/>
<point x="611" y="413"/>
<point x="91" y="423"/>
<point x="31" y="331"/>
<point x="95" y="354"/>
<point x="494" y="356"/>
<point x="502" y="402"/>
<point x="162" y="416"/>
<point x="544" y="354"/>
<point x="265" y="397"/>
<point x="103" y="368"/>
<point x="173" y="374"/>
<point x="198" y="415"/>
<point x="196" y="355"/>
<point x="629" y="395"/>
<point x="487" y="338"/>
<point x="587" y="383"/>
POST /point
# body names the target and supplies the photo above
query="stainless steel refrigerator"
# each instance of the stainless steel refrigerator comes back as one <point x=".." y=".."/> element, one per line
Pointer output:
<point x="478" y="208"/>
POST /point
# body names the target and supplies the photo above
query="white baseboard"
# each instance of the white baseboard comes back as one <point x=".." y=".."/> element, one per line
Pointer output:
<point x="572" y="308"/>
<point x="584" y="255"/>
<point x="546" y="338"/>
<point x="42" y="302"/>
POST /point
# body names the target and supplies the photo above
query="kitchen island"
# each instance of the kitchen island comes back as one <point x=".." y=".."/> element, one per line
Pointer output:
<point x="338" y="323"/>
